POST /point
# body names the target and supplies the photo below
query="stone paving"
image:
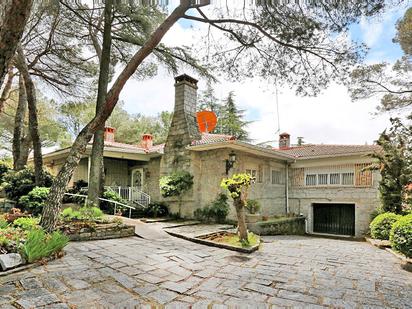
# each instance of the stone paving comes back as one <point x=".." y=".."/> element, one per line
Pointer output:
<point x="288" y="271"/>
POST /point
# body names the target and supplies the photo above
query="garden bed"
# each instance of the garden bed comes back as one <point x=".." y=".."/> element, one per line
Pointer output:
<point x="223" y="239"/>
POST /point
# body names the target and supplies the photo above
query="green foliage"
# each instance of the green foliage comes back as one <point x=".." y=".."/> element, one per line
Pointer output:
<point x="3" y="222"/>
<point x="156" y="209"/>
<point x="253" y="206"/>
<point x="4" y="168"/>
<point x="113" y="196"/>
<point x="26" y="223"/>
<point x="237" y="184"/>
<point x="382" y="225"/>
<point x="76" y="189"/>
<point x="35" y="200"/>
<point x="84" y="213"/>
<point x="175" y="184"/>
<point x="17" y="184"/>
<point x="217" y="211"/>
<point x="401" y="235"/>
<point x="395" y="164"/>
<point x="39" y="244"/>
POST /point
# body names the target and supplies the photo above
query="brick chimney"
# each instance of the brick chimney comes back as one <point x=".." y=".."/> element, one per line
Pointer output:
<point x="284" y="141"/>
<point x="147" y="141"/>
<point x="109" y="134"/>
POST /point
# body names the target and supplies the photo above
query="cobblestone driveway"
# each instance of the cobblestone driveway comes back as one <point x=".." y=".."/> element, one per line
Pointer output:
<point x="288" y="271"/>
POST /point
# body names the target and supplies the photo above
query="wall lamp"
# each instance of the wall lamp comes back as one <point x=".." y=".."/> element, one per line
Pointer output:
<point x="230" y="161"/>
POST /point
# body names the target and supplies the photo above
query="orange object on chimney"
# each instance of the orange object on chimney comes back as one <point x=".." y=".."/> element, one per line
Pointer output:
<point x="109" y="134"/>
<point x="147" y="141"/>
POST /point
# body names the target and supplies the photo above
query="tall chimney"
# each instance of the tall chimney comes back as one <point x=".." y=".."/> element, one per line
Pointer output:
<point x="184" y="125"/>
<point x="147" y="141"/>
<point x="284" y="141"/>
<point x="183" y="129"/>
<point x="109" y="134"/>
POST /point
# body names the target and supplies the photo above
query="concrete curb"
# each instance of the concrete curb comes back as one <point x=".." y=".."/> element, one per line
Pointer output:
<point x="215" y="244"/>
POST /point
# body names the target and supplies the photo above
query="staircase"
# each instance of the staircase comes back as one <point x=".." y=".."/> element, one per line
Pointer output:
<point x="134" y="195"/>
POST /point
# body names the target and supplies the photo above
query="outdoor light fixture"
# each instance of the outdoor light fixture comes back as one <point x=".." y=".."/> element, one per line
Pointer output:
<point x="230" y="162"/>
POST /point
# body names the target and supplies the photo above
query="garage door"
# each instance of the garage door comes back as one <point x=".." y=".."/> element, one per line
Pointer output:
<point x="336" y="219"/>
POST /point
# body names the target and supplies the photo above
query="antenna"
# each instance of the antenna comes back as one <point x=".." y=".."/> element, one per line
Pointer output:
<point x="277" y="107"/>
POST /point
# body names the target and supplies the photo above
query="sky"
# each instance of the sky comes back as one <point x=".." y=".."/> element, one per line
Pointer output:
<point x="329" y="118"/>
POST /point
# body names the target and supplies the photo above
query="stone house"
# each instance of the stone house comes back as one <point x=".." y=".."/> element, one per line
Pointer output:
<point x="326" y="183"/>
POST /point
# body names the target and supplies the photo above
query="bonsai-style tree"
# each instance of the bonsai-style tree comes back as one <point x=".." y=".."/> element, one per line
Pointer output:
<point x="176" y="184"/>
<point x="237" y="186"/>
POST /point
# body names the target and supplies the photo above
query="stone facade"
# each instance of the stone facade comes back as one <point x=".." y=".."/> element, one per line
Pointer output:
<point x="183" y="129"/>
<point x="365" y="198"/>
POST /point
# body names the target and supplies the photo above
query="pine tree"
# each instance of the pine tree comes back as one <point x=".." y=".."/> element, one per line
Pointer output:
<point x="232" y="122"/>
<point x="395" y="163"/>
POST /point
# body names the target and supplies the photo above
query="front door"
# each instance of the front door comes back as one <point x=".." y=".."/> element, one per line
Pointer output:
<point x="336" y="219"/>
<point x="137" y="178"/>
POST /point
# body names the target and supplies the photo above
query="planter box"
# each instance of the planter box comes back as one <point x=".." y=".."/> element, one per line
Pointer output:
<point x="99" y="231"/>
<point x="281" y="226"/>
<point x="253" y="218"/>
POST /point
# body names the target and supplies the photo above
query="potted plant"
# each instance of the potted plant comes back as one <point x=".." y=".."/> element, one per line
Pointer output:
<point x="253" y="207"/>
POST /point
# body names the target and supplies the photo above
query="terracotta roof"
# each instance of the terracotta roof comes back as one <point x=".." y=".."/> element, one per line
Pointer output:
<point x="209" y="138"/>
<point x="315" y="151"/>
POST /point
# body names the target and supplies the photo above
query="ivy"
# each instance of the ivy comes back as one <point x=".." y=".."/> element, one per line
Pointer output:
<point x="176" y="183"/>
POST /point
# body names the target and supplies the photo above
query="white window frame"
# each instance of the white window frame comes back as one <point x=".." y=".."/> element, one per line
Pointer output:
<point x="329" y="170"/>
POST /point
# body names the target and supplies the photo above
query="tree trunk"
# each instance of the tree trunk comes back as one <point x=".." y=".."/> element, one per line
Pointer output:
<point x="25" y="149"/>
<point x="33" y="122"/>
<point x="16" y="13"/>
<point x="240" y="212"/>
<point x="96" y="178"/>
<point x="52" y="209"/>
<point x="18" y="163"/>
<point x="6" y="89"/>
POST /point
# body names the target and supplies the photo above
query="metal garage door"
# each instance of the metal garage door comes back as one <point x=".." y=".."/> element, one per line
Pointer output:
<point x="336" y="219"/>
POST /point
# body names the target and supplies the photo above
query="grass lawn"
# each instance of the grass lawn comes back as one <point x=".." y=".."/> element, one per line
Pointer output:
<point x="233" y="240"/>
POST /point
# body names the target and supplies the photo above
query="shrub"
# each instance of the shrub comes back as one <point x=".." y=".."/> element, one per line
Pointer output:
<point x="382" y="224"/>
<point x="253" y="206"/>
<point x="26" y="223"/>
<point x="156" y="209"/>
<point x="4" y="169"/>
<point x="3" y="222"/>
<point x="217" y="211"/>
<point x="76" y="189"/>
<point x="113" y="196"/>
<point x="34" y="201"/>
<point x="17" y="184"/>
<point x="39" y="244"/>
<point x="84" y="213"/>
<point x="175" y="184"/>
<point x="401" y="235"/>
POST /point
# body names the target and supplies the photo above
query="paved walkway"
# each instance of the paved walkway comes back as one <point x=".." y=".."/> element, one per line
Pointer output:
<point x="305" y="272"/>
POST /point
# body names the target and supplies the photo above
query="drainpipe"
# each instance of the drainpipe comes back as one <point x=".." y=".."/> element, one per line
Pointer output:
<point x="287" y="187"/>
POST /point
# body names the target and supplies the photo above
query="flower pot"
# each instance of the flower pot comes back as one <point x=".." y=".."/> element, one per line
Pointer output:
<point x="253" y="218"/>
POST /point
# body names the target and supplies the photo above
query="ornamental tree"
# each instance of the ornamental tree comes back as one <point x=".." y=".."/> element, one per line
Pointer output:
<point x="237" y="186"/>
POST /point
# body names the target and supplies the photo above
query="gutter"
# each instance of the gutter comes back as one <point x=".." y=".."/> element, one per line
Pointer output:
<point x="287" y="187"/>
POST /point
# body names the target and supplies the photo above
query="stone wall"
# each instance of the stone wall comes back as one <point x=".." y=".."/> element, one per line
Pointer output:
<point x="281" y="226"/>
<point x="102" y="231"/>
<point x="366" y="199"/>
<point x="209" y="170"/>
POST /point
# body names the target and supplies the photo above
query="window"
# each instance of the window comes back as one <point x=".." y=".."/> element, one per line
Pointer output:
<point x="276" y="177"/>
<point x="334" y="179"/>
<point x="311" y="180"/>
<point x="347" y="179"/>
<point x="323" y="179"/>
<point x="252" y="173"/>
